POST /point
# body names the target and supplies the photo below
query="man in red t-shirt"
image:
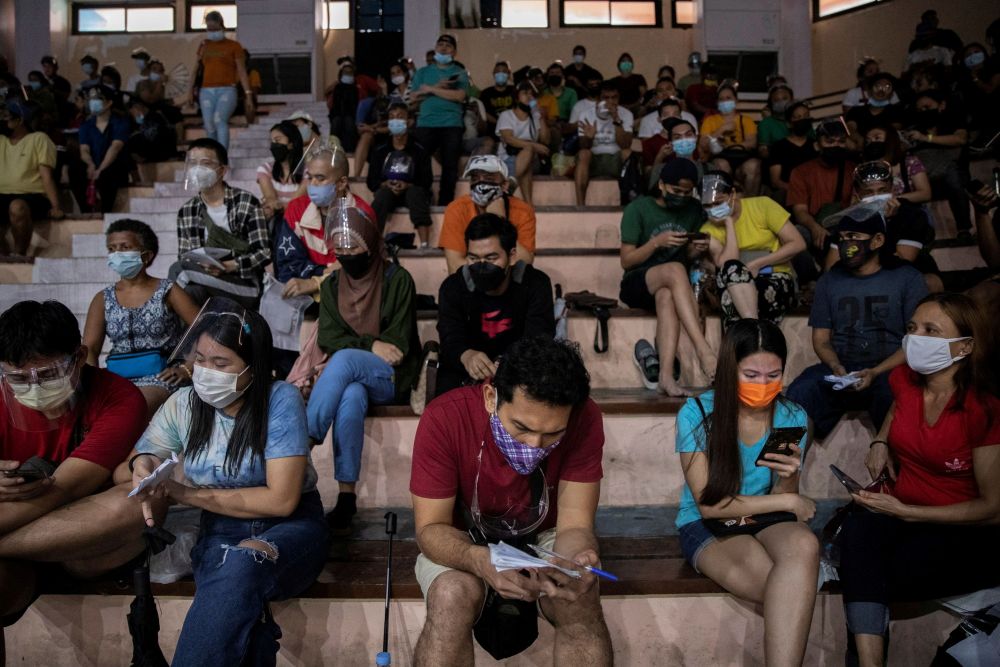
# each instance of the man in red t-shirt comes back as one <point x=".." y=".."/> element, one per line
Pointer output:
<point x="518" y="460"/>
<point x="83" y="421"/>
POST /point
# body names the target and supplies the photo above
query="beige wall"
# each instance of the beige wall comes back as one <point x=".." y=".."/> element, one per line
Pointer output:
<point x="885" y="31"/>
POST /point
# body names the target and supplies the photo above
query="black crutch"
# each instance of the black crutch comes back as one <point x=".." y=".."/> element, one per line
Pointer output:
<point x="384" y="657"/>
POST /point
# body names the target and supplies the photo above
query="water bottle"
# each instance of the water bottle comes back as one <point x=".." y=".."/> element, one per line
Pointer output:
<point x="696" y="276"/>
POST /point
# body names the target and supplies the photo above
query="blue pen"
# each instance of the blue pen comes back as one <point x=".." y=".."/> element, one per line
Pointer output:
<point x="542" y="551"/>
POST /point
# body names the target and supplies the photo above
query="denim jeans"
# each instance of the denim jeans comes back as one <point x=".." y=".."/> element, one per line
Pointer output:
<point x="229" y="622"/>
<point x="217" y="105"/>
<point x="340" y="398"/>
<point x="825" y="406"/>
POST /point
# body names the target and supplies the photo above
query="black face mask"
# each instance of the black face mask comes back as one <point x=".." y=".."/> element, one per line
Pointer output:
<point x="854" y="254"/>
<point x="524" y="107"/>
<point x="486" y="276"/>
<point x="593" y="91"/>
<point x="355" y="265"/>
<point x="5" y="130"/>
<point x="833" y="155"/>
<point x="874" y="150"/>
<point x="674" y="202"/>
<point x="926" y="119"/>
<point x="279" y="151"/>
<point x="554" y="81"/>
<point x="801" y="127"/>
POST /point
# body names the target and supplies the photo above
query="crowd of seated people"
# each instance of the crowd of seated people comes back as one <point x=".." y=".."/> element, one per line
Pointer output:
<point x="746" y="212"/>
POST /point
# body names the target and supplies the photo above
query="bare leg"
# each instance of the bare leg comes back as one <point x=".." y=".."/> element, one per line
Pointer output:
<point x="89" y="528"/>
<point x="522" y="171"/>
<point x="361" y="152"/>
<point x="667" y="332"/>
<point x="347" y="487"/>
<point x="453" y="604"/>
<point x="582" y="636"/>
<point x="749" y="172"/>
<point x="21" y="225"/>
<point x="739" y="564"/>
<point x="870" y="650"/>
<point x="934" y="283"/>
<point x="791" y="591"/>
<point x="155" y="396"/>
<point x="673" y="276"/>
<point x="424" y="234"/>
<point x="582" y="176"/>
<point x="744" y="296"/>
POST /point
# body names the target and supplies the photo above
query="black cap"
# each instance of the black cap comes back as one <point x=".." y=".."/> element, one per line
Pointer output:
<point x="88" y="59"/>
<point x="678" y="169"/>
<point x="50" y="60"/>
<point x="862" y="221"/>
<point x="833" y="126"/>
<point x="450" y="39"/>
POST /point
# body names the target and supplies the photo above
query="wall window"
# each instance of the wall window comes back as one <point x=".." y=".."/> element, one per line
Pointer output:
<point x="683" y="13"/>
<point x="198" y="10"/>
<point x="610" y="12"/>
<point x="826" y="8"/>
<point x="495" y="14"/>
<point x="337" y="15"/>
<point x="378" y="16"/>
<point x="122" y="18"/>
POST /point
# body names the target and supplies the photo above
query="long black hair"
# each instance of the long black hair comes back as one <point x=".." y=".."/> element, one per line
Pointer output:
<point x="722" y="427"/>
<point x="250" y="338"/>
<point x="295" y="149"/>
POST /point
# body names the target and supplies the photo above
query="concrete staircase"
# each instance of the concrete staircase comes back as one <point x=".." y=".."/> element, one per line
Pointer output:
<point x="578" y="248"/>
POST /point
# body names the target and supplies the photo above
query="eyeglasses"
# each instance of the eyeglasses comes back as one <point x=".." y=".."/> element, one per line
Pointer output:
<point x="520" y="517"/>
<point x="46" y="377"/>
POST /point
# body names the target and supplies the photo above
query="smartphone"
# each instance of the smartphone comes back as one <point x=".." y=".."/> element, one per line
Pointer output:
<point x="32" y="470"/>
<point x="849" y="482"/>
<point x="697" y="236"/>
<point x="780" y="441"/>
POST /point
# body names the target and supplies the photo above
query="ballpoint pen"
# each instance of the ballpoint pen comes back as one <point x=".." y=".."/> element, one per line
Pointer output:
<point x="542" y="551"/>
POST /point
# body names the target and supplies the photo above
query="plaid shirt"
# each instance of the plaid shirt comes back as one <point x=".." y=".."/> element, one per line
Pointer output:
<point x="246" y="220"/>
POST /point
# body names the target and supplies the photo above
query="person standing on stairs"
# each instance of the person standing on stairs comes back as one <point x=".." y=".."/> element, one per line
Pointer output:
<point x="660" y="240"/>
<point x="220" y="217"/>
<point x="223" y="63"/>
<point x="368" y="324"/>
<point x="142" y="315"/>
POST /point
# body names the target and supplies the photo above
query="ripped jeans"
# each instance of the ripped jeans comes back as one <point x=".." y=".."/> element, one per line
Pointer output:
<point x="229" y="622"/>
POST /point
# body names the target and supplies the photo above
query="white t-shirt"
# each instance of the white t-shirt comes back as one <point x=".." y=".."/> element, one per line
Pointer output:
<point x="526" y="129"/>
<point x="650" y="123"/>
<point x="285" y="191"/>
<point x="218" y="216"/>
<point x="604" y="140"/>
<point x="580" y="107"/>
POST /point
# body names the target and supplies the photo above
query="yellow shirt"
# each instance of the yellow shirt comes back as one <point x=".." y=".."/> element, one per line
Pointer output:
<point x="19" y="174"/>
<point x="756" y="229"/>
<point x="743" y="127"/>
<point x="549" y="102"/>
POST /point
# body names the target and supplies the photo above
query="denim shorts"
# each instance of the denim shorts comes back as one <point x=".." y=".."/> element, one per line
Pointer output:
<point x="694" y="538"/>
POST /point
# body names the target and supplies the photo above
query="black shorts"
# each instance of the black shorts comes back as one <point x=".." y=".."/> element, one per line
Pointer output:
<point x="633" y="291"/>
<point x="39" y="205"/>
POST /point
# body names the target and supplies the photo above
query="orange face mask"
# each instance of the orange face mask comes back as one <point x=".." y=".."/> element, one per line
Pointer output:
<point x="756" y="395"/>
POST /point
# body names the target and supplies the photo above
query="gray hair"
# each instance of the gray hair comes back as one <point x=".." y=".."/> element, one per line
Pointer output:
<point x="335" y="157"/>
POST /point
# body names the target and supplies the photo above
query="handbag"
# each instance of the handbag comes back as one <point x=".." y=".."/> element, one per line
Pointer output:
<point x="750" y="524"/>
<point x="830" y="536"/>
<point x="601" y="307"/>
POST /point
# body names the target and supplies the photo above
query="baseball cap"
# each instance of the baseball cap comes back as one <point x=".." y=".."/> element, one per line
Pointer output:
<point x="490" y="164"/>
<point x="300" y="114"/>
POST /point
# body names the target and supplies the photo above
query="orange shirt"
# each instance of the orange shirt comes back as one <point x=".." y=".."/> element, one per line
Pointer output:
<point x="219" y="61"/>
<point x="460" y="212"/>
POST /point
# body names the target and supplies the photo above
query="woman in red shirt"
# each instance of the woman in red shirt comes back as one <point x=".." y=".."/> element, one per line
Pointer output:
<point x="934" y="534"/>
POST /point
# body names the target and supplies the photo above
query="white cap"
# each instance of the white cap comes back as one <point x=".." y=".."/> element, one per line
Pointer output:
<point x="491" y="164"/>
<point x="299" y="113"/>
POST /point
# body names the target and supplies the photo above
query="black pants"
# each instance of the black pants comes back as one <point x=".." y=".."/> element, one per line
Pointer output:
<point x="107" y="185"/>
<point x="951" y="187"/>
<point x="885" y="559"/>
<point x="345" y="129"/>
<point x="414" y="198"/>
<point x="449" y="141"/>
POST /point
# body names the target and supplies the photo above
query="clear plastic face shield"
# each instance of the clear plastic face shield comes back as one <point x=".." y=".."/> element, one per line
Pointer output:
<point x="215" y="310"/>
<point x="510" y="512"/>
<point x="347" y="228"/>
<point x="860" y="211"/>
<point x="716" y="196"/>
<point x="40" y="398"/>
<point x="202" y="170"/>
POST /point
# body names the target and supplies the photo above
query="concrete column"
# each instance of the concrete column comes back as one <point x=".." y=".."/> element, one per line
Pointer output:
<point x="421" y="27"/>
<point x="796" y="55"/>
<point x="33" y="36"/>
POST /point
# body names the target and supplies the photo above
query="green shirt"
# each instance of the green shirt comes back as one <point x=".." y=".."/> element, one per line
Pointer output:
<point x="770" y="130"/>
<point x="436" y="111"/>
<point x="566" y="101"/>
<point x="646" y="217"/>
<point x="397" y="325"/>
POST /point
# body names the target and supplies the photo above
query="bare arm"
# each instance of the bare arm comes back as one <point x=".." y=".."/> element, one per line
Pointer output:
<point x="792" y="244"/>
<point x="823" y="346"/>
<point x="921" y="188"/>
<point x="94" y="329"/>
<point x="456" y="259"/>
<point x="182" y="304"/>
<point x="72" y="480"/>
<point x="522" y="253"/>
<point x="278" y="498"/>
<point x="241" y="72"/>
<point x="49" y="185"/>
<point x="109" y="158"/>
<point x="776" y="182"/>
<point x="440" y="541"/>
<point x="695" y="468"/>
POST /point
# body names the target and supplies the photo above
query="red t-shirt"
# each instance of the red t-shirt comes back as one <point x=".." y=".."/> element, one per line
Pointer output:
<point x="454" y="428"/>
<point x="814" y="185"/>
<point x="307" y="223"/>
<point x="111" y="414"/>
<point x="935" y="462"/>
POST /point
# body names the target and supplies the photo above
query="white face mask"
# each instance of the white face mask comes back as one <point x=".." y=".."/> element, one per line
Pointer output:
<point x="217" y="388"/>
<point x="398" y="80"/>
<point x="46" y="399"/>
<point x="929" y="354"/>
<point x="202" y="177"/>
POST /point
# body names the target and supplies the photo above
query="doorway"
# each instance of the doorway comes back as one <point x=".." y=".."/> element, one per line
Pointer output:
<point x="378" y="35"/>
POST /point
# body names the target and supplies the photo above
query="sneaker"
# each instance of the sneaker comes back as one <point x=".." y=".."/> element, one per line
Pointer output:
<point x="648" y="363"/>
<point x="340" y="518"/>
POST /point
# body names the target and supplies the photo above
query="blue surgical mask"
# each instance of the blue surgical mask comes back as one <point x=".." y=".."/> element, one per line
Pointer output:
<point x="532" y="103"/>
<point x="322" y="195"/>
<point x="442" y="58"/>
<point x="95" y="106"/>
<point x="397" y="126"/>
<point x="872" y="102"/>
<point x="306" y="132"/>
<point x="347" y="79"/>
<point x="139" y="119"/>
<point x="127" y="264"/>
<point x="155" y="76"/>
<point x="35" y="85"/>
<point x="727" y="106"/>
<point x="500" y="78"/>
<point x="625" y="66"/>
<point x="216" y="35"/>
<point x="720" y="211"/>
<point x="975" y="59"/>
<point x="685" y="147"/>
<point x="139" y="64"/>
<point x="87" y="68"/>
<point x="578" y="58"/>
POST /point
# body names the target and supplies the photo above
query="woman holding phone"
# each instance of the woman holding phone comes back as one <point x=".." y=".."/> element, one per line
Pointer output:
<point x="245" y="453"/>
<point x="935" y="534"/>
<point x="769" y="555"/>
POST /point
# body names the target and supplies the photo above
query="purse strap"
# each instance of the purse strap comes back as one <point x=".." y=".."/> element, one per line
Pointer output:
<point x="601" y="341"/>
